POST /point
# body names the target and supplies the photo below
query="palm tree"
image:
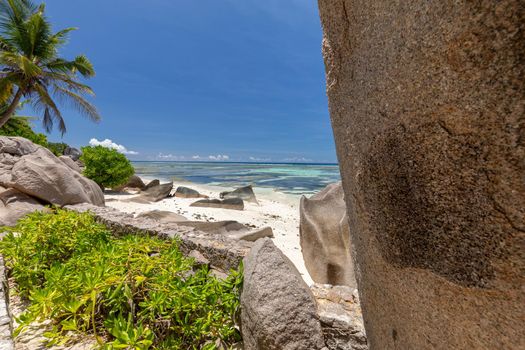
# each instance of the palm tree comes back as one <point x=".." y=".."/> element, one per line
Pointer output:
<point x="30" y="67"/>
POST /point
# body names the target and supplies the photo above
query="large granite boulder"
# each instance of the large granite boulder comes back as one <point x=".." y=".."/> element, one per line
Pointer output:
<point x="278" y="310"/>
<point x="230" y="203"/>
<point x="186" y="192"/>
<point x="70" y="163"/>
<point x="15" y="204"/>
<point x="37" y="172"/>
<point x="152" y="183"/>
<point x="133" y="182"/>
<point x="162" y="216"/>
<point x="427" y="105"/>
<point x="157" y="193"/>
<point x="245" y="193"/>
<point x="325" y="237"/>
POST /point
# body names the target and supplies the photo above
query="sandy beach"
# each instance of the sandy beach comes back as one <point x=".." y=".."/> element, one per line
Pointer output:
<point x="278" y="210"/>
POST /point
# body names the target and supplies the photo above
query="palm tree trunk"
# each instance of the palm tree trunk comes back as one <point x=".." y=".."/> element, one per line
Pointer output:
<point x="11" y="109"/>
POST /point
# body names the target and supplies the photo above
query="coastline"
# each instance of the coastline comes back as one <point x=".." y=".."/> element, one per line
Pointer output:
<point x="278" y="210"/>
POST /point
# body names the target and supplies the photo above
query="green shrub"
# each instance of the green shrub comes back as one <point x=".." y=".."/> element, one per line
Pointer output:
<point x="20" y="126"/>
<point x="133" y="292"/>
<point x="106" y="166"/>
<point x="57" y="148"/>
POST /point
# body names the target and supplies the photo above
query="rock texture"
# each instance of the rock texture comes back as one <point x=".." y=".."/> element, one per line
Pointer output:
<point x="231" y="229"/>
<point x="6" y="329"/>
<point x="162" y="216"/>
<point x="245" y="193"/>
<point x="15" y="204"/>
<point x="157" y="193"/>
<point x="185" y="192"/>
<point x="325" y="237"/>
<point x="37" y="172"/>
<point x="134" y="182"/>
<point x="341" y="319"/>
<point x="72" y="153"/>
<point x="278" y="310"/>
<point x="230" y="203"/>
<point x="152" y="183"/>
<point x="70" y="163"/>
<point x="427" y="103"/>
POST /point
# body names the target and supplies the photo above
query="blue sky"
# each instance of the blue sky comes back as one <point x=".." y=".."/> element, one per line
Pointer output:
<point x="181" y="79"/>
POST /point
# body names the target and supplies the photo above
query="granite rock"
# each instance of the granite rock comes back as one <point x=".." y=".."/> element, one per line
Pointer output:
<point x="186" y="192"/>
<point x="15" y="205"/>
<point x="427" y="103"/>
<point x="229" y="203"/>
<point x="37" y="172"/>
<point x="325" y="237"/>
<point x="245" y="193"/>
<point x="278" y="310"/>
<point x="162" y="216"/>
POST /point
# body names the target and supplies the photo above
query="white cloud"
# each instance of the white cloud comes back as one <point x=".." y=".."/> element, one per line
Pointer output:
<point x="257" y="159"/>
<point x="170" y="156"/>
<point x="221" y="157"/>
<point x="110" y="144"/>
<point x="297" y="159"/>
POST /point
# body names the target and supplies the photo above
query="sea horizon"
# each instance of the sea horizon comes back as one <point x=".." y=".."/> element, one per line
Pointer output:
<point x="290" y="178"/>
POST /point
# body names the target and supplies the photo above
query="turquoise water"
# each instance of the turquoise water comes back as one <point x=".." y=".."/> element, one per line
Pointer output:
<point x="287" y="178"/>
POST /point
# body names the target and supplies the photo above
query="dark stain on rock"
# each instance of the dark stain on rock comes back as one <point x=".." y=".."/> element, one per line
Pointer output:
<point x="429" y="198"/>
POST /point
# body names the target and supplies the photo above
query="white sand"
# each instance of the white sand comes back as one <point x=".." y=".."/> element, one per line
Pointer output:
<point x="278" y="210"/>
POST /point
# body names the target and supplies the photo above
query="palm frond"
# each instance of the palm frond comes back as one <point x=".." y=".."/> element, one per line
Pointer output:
<point x="84" y="66"/>
<point x="66" y="81"/>
<point x="61" y="37"/>
<point x="20" y="63"/>
<point x="78" y="102"/>
<point x="43" y="101"/>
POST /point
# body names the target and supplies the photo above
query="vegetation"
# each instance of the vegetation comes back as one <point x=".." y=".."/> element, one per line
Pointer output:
<point x="57" y="148"/>
<point x="106" y="166"/>
<point x="20" y="126"/>
<point x="133" y="292"/>
<point x="31" y="68"/>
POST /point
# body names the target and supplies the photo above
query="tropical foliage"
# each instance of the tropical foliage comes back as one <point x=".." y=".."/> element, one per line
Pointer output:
<point x="20" y="126"/>
<point x="106" y="166"/>
<point x="133" y="292"/>
<point x="30" y="66"/>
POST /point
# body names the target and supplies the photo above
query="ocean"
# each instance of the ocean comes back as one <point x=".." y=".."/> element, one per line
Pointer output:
<point x="286" y="178"/>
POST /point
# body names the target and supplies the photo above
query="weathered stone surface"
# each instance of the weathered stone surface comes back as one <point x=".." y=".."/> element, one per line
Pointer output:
<point x="6" y="340"/>
<point x="278" y="310"/>
<point x="230" y="203"/>
<point x="223" y="252"/>
<point x="186" y="192"/>
<point x="70" y="163"/>
<point x="152" y="183"/>
<point x="232" y="229"/>
<point x="133" y="182"/>
<point x="245" y="193"/>
<point x="341" y="319"/>
<point x="34" y="170"/>
<point x="253" y="234"/>
<point x="14" y="205"/>
<point x="72" y="153"/>
<point x="427" y="103"/>
<point x="157" y="193"/>
<point x="325" y="237"/>
<point x="162" y="216"/>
